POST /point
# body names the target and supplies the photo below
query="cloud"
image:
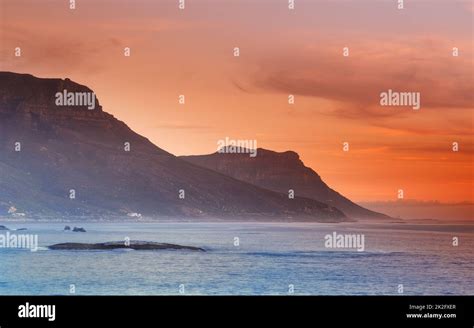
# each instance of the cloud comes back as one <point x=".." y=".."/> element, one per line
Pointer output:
<point x="420" y="65"/>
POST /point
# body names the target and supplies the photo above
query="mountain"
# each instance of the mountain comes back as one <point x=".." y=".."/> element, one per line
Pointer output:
<point x="78" y="151"/>
<point x="281" y="172"/>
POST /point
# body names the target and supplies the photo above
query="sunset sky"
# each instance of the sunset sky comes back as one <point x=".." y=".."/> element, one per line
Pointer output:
<point x="282" y="52"/>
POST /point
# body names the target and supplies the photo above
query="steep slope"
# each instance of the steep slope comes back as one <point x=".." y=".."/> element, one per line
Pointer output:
<point x="280" y="172"/>
<point x="75" y="148"/>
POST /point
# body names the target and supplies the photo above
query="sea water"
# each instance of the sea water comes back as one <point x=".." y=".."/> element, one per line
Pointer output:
<point x="244" y="259"/>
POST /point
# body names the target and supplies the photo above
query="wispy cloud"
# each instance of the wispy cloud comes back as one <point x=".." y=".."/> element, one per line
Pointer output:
<point x="426" y="66"/>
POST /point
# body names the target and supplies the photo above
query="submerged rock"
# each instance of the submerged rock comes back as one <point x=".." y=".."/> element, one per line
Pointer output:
<point x="76" y="229"/>
<point x="136" y="245"/>
<point x="21" y="229"/>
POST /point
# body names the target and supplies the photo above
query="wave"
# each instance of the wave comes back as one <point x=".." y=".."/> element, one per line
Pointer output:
<point x="328" y="254"/>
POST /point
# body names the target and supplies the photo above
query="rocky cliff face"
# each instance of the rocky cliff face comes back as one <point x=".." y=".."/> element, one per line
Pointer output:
<point x="48" y="153"/>
<point x="281" y="172"/>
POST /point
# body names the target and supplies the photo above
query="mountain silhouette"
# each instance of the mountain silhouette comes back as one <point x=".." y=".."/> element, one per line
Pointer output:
<point x="280" y="172"/>
<point x="71" y="161"/>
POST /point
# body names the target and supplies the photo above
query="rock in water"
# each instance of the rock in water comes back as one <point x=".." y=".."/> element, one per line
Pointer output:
<point x="2" y="227"/>
<point x="67" y="228"/>
<point x="136" y="245"/>
<point x="76" y="229"/>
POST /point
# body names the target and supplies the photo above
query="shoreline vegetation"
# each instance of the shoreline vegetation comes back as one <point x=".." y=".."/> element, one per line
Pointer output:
<point x="113" y="219"/>
<point x="82" y="221"/>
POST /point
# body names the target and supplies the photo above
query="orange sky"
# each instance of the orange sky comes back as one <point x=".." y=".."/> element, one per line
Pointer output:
<point x="282" y="52"/>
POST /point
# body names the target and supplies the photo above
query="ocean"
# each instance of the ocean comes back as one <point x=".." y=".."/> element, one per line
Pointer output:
<point x="244" y="259"/>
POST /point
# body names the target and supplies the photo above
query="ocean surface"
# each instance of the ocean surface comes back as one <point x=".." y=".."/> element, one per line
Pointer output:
<point x="270" y="259"/>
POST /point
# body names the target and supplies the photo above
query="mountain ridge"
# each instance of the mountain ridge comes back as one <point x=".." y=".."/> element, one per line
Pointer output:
<point x="280" y="172"/>
<point x="73" y="148"/>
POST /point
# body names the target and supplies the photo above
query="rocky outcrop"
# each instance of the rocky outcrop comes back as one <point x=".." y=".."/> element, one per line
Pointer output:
<point x="281" y="172"/>
<point x="136" y="245"/>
